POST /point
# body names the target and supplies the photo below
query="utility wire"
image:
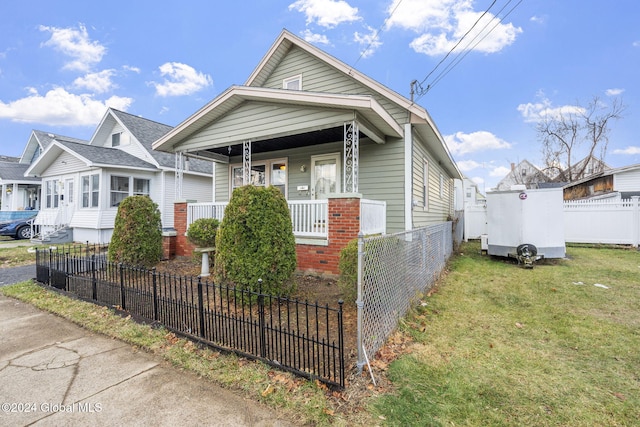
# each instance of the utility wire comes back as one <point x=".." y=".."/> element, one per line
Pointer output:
<point x="459" y="41"/>
<point x="464" y="53"/>
<point x="375" y="36"/>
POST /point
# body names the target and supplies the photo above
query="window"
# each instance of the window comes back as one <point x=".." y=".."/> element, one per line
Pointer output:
<point x="119" y="190"/>
<point x="425" y="185"/>
<point x="115" y="140"/>
<point x="271" y="172"/>
<point x="51" y="194"/>
<point x="140" y="187"/>
<point x="90" y="191"/>
<point x="124" y="186"/>
<point x="293" y="83"/>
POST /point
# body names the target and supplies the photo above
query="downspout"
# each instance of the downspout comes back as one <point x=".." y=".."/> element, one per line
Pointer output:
<point x="408" y="176"/>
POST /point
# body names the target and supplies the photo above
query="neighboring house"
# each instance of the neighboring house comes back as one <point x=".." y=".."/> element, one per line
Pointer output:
<point x="317" y="128"/>
<point x="623" y="183"/>
<point x="83" y="184"/>
<point x="524" y="173"/>
<point x="20" y="192"/>
<point x="467" y="193"/>
<point x="585" y="168"/>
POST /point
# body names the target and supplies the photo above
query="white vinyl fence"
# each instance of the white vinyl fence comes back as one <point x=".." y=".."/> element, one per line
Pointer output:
<point x="604" y="221"/>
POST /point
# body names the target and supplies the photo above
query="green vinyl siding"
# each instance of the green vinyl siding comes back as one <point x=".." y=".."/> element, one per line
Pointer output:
<point x="318" y="76"/>
<point x="438" y="207"/>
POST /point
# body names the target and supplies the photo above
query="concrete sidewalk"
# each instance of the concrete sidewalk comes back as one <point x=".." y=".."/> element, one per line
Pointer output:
<point x="54" y="373"/>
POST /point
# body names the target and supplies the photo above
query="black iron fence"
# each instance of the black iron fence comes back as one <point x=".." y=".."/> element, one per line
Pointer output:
<point x="301" y="337"/>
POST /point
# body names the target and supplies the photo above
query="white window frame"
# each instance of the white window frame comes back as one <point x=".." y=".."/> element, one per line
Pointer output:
<point x="131" y="181"/>
<point x="119" y="134"/>
<point x="51" y="194"/>
<point x="90" y="192"/>
<point x="294" y="79"/>
<point x="268" y="166"/>
<point x="425" y="184"/>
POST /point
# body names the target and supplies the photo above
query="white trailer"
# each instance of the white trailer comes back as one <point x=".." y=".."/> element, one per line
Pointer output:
<point x="526" y="224"/>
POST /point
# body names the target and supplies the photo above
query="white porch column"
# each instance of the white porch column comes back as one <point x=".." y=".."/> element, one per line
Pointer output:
<point x="179" y="174"/>
<point x="408" y="173"/>
<point x="246" y="162"/>
<point x="351" y="147"/>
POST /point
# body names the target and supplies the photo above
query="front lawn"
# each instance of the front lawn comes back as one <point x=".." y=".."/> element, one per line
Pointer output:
<point x="501" y="345"/>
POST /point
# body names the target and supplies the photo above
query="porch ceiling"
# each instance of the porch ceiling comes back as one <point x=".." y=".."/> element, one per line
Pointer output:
<point x="284" y="142"/>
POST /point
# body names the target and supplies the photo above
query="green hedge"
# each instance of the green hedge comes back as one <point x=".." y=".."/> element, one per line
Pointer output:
<point x="202" y="232"/>
<point x="137" y="235"/>
<point x="255" y="241"/>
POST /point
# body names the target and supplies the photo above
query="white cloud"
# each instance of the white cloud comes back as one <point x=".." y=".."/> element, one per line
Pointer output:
<point x="468" y="165"/>
<point x="326" y="13"/>
<point x="312" y="37"/>
<point x="478" y="180"/>
<point x="613" y="92"/>
<point x="628" y="151"/>
<point x="463" y="143"/>
<point x="442" y="23"/>
<point x="499" y="172"/>
<point x="60" y="108"/>
<point x="369" y="42"/>
<point x="636" y="43"/>
<point x="538" y="19"/>
<point x="536" y="111"/>
<point x="180" y="79"/>
<point x="76" y="44"/>
<point x="131" y="68"/>
<point x="96" y="82"/>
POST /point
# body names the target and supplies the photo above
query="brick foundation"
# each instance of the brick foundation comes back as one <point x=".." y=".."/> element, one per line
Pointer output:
<point x="343" y="225"/>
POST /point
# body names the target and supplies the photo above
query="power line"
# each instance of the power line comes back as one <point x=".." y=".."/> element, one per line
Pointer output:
<point x="465" y="51"/>
<point x="375" y="36"/>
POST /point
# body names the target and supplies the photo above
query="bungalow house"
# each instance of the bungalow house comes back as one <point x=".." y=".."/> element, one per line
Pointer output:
<point x="83" y="183"/>
<point x="348" y="153"/>
<point x="524" y="173"/>
<point x="620" y="183"/>
<point x="20" y="192"/>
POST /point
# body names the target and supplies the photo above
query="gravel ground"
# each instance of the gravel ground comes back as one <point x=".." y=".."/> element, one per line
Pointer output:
<point x="9" y="276"/>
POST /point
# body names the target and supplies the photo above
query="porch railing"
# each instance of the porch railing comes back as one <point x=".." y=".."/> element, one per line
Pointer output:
<point x="308" y="217"/>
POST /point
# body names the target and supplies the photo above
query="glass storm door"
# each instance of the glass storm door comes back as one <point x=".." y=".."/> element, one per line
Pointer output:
<point x="325" y="175"/>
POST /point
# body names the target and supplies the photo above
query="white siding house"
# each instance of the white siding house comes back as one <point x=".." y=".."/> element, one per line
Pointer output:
<point x="83" y="184"/>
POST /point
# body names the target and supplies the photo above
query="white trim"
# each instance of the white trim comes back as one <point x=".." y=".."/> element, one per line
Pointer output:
<point x="298" y="78"/>
<point x="408" y="176"/>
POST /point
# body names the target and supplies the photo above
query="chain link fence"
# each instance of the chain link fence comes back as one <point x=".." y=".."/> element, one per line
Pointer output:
<point x="393" y="270"/>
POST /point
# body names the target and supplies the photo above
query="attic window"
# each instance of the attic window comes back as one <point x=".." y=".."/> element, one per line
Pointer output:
<point x="115" y="139"/>
<point x="293" y="83"/>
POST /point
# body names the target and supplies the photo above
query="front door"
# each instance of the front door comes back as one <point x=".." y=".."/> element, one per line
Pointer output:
<point x="325" y="175"/>
<point x="68" y="201"/>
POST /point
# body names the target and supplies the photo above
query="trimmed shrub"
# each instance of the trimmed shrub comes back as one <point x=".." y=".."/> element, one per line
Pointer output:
<point x="348" y="265"/>
<point x="137" y="236"/>
<point x="202" y="232"/>
<point x="255" y="241"/>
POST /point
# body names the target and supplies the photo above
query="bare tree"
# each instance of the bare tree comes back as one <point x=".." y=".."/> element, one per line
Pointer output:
<point x="576" y="133"/>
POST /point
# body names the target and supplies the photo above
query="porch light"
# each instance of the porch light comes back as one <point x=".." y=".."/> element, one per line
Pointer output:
<point x="283" y="167"/>
<point x="303" y="168"/>
<point x="9" y="190"/>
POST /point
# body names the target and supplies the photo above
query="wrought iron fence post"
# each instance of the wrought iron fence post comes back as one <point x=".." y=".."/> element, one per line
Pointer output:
<point x="341" y="342"/>
<point x="94" y="285"/>
<point x="67" y="274"/>
<point x="123" y="300"/>
<point x="201" y="307"/>
<point x="359" y="301"/>
<point x="50" y="275"/>
<point x="261" y="325"/>
<point x="155" y="293"/>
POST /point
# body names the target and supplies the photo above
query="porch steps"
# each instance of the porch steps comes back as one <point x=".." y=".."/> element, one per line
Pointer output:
<point x="62" y="235"/>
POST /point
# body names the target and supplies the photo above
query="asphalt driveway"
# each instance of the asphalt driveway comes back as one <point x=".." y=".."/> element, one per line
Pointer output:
<point x="9" y="276"/>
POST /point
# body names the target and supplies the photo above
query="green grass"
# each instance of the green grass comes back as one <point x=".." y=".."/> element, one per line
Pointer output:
<point x="501" y="345"/>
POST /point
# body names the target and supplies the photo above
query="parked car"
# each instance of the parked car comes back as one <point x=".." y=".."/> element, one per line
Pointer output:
<point x="17" y="228"/>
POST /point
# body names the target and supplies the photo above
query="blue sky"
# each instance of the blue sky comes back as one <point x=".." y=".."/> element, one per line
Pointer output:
<point x="63" y="63"/>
